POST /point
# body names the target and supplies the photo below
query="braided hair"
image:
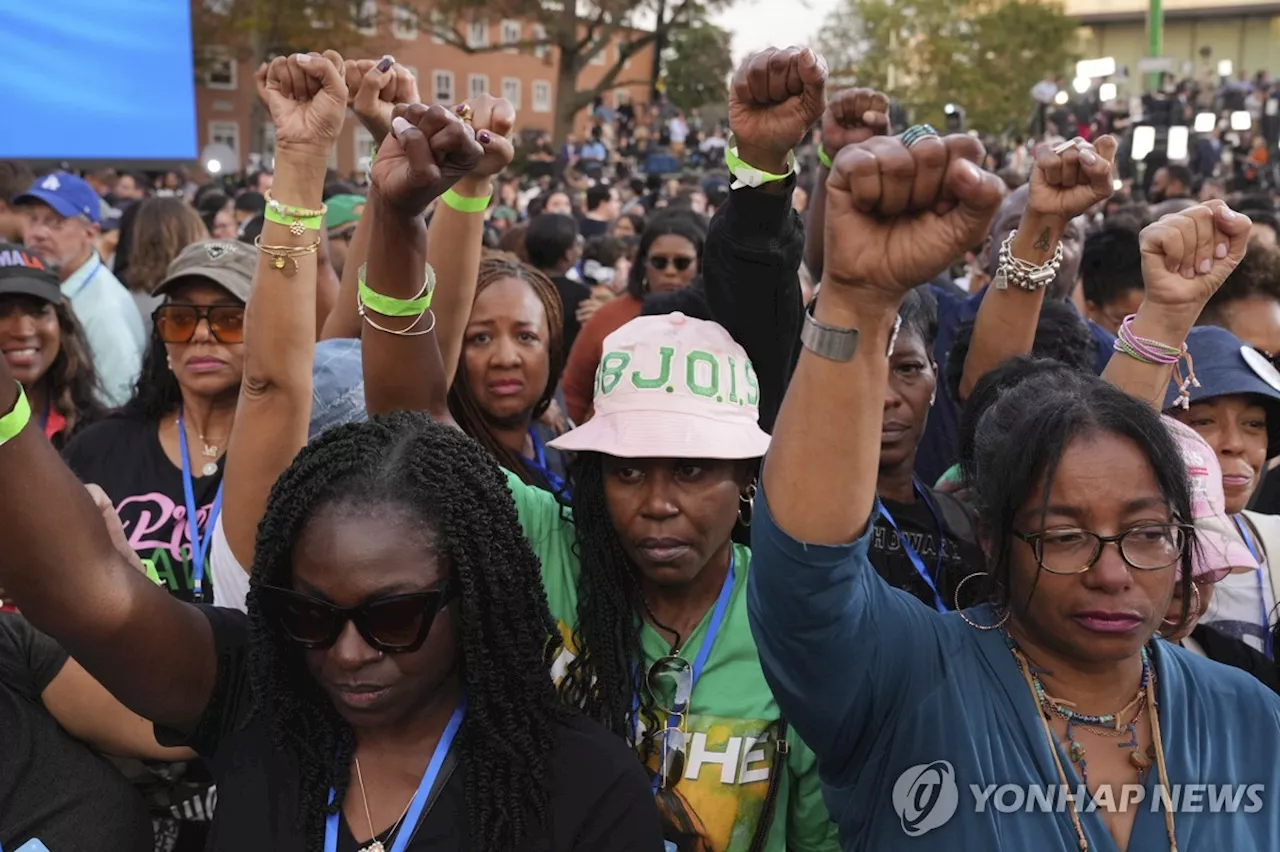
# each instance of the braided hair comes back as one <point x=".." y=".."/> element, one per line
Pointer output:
<point x="463" y="405"/>
<point x="505" y="629"/>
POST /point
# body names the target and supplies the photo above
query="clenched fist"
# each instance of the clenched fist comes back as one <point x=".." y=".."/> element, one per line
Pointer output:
<point x="307" y="98"/>
<point x="775" y="98"/>
<point x="1067" y="183"/>
<point x="428" y="150"/>
<point x="1186" y="256"/>
<point x="853" y="116"/>
<point x="492" y="119"/>
<point x="896" y="216"/>
<point x="376" y="87"/>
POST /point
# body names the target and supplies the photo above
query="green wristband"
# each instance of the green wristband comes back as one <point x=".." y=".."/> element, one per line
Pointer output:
<point x="308" y="223"/>
<point x="389" y="306"/>
<point x="15" y="421"/>
<point x="823" y="158"/>
<point x="463" y="204"/>
<point x="149" y="567"/>
<point x="745" y="174"/>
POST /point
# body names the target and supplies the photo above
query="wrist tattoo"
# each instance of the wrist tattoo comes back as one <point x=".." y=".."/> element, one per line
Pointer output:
<point x="1042" y="241"/>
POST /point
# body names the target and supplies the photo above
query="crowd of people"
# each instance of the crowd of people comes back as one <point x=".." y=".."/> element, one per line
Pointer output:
<point x="700" y="514"/>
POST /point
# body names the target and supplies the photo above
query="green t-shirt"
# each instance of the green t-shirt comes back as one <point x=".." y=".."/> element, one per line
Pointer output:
<point x="732" y="720"/>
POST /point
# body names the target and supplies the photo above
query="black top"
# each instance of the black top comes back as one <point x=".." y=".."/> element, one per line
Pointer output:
<point x="123" y="456"/>
<point x="589" y="227"/>
<point x="961" y="555"/>
<point x="572" y="294"/>
<point x="52" y="786"/>
<point x="1232" y="652"/>
<point x="600" y="795"/>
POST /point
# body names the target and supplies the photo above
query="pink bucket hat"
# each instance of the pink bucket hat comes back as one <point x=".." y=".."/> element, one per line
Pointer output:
<point x="671" y="386"/>
<point x="1219" y="547"/>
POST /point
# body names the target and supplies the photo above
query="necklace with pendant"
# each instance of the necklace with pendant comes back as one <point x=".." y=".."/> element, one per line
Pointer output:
<point x="210" y="452"/>
<point x="375" y="845"/>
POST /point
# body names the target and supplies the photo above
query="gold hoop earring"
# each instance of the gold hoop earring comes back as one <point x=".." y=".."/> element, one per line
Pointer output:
<point x="747" y="500"/>
<point x="969" y="621"/>
<point x="1195" y="607"/>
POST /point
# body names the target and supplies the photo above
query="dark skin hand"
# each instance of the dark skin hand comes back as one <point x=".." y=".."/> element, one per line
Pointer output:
<point x="775" y="98"/>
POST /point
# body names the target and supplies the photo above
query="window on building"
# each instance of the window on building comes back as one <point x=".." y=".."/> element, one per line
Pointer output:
<point x="601" y="55"/>
<point x="366" y="16"/>
<point x="365" y="146"/>
<point x="511" y="32"/>
<point x="226" y="133"/>
<point x="540" y="35"/>
<point x="541" y="96"/>
<point x="443" y="87"/>
<point x="478" y="34"/>
<point x="477" y="85"/>
<point x="404" y="23"/>
<point x="511" y="90"/>
<point x="220" y="73"/>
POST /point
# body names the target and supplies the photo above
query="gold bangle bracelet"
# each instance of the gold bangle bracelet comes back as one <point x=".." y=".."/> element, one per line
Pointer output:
<point x="285" y="258"/>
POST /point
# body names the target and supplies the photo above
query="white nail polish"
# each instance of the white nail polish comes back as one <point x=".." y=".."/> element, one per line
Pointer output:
<point x="399" y="125"/>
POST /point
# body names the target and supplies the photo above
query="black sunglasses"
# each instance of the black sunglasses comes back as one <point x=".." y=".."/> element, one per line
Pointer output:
<point x="659" y="262"/>
<point x="395" y="625"/>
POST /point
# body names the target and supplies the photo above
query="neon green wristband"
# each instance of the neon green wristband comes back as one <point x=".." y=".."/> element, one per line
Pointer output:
<point x="15" y="421"/>
<point x="823" y="158"/>
<point x="745" y="174"/>
<point x="295" y="224"/>
<point x="390" y="306"/>
<point x="463" y="204"/>
<point x="150" y="567"/>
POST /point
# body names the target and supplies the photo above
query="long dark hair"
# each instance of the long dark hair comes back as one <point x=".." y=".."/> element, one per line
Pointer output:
<point x="505" y="630"/>
<point x="677" y="223"/>
<point x="1020" y="441"/>
<point x="463" y="405"/>
<point x="72" y="380"/>
<point x="157" y="392"/>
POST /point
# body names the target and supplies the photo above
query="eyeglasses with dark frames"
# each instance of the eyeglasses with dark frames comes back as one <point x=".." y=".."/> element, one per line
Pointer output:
<point x="178" y="323"/>
<point x="1143" y="547"/>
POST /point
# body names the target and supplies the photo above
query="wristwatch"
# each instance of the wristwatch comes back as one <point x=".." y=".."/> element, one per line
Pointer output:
<point x="828" y="341"/>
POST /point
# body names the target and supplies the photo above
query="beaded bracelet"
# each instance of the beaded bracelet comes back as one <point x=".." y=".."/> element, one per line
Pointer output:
<point x="1148" y="351"/>
<point x="298" y="219"/>
<point x="465" y="204"/>
<point x="12" y="424"/>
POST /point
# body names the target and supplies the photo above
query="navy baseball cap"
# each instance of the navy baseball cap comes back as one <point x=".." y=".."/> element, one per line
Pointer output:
<point x="25" y="274"/>
<point x="65" y="193"/>
<point x="1225" y="366"/>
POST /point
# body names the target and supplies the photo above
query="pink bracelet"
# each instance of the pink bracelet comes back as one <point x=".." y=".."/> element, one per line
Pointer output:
<point x="1154" y="352"/>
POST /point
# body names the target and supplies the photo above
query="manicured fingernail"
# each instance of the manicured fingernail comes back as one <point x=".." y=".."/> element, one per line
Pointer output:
<point x="304" y="58"/>
<point x="1088" y="157"/>
<point x="1230" y="215"/>
<point x="399" y="125"/>
<point x="1220" y="251"/>
<point x="387" y="62"/>
<point x="484" y="137"/>
<point x="1188" y="272"/>
<point x="1206" y="265"/>
<point x="969" y="172"/>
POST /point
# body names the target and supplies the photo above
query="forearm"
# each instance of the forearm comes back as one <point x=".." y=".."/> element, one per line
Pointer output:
<point x="826" y="497"/>
<point x="1006" y="323"/>
<point x="816" y="233"/>
<point x="280" y="326"/>
<point x="344" y="320"/>
<point x="455" y="242"/>
<point x="327" y="287"/>
<point x="401" y="372"/>
<point x="1148" y="382"/>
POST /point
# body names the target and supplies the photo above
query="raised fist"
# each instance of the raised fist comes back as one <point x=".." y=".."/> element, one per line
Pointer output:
<point x="427" y="151"/>
<point x="775" y="98"/>
<point x="375" y="87"/>
<point x="307" y="98"/>
<point x="1069" y="182"/>
<point x="494" y="117"/>
<point x="854" y="116"/>
<point x="897" y="216"/>
<point x="1186" y="256"/>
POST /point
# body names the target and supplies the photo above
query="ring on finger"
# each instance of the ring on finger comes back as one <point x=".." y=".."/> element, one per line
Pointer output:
<point x="916" y="133"/>
<point x="1065" y="146"/>
<point x="464" y="112"/>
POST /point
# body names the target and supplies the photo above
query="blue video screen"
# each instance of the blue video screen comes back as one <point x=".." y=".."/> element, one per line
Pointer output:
<point x="97" y="80"/>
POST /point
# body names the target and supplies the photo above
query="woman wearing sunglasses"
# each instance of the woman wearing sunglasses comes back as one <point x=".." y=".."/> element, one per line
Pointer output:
<point x="668" y="259"/>
<point x="159" y="458"/>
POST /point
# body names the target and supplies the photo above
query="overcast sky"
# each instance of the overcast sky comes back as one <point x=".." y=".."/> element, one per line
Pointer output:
<point x="757" y="24"/>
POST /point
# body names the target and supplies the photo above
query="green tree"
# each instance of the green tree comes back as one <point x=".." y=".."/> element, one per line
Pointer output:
<point x="699" y="60"/>
<point x="573" y="34"/>
<point x="984" y="55"/>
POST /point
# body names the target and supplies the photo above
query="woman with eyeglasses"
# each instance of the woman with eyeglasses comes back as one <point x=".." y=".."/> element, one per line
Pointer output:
<point x="643" y="578"/>
<point x="939" y="721"/>
<point x="388" y="688"/>
<point x="668" y="259"/>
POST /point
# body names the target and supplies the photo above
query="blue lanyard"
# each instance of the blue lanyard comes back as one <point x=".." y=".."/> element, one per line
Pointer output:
<point x="414" y="814"/>
<point x="916" y="561"/>
<point x="539" y="463"/>
<point x="713" y="629"/>
<point x="1262" y="595"/>
<point x="88" y="280"/>
<point x="199" y="548"/>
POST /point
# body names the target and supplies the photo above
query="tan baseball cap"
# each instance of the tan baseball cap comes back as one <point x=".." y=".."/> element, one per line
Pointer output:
<point x="230" y="265"/>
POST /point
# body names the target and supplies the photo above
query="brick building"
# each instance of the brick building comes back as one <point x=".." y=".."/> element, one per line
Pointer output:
<point x="446" y="74"/>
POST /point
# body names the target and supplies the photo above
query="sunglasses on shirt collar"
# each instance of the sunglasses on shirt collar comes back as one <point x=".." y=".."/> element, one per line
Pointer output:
<point x="398" y="624"/>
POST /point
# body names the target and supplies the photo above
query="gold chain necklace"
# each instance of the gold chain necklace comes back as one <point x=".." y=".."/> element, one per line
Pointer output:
<point x="1158" y="743"/>
<point x="375" y="844"/>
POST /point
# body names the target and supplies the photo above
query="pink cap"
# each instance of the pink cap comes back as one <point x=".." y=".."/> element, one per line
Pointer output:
<point x="1220" y="549"/>
<point x="671" y="386"/>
